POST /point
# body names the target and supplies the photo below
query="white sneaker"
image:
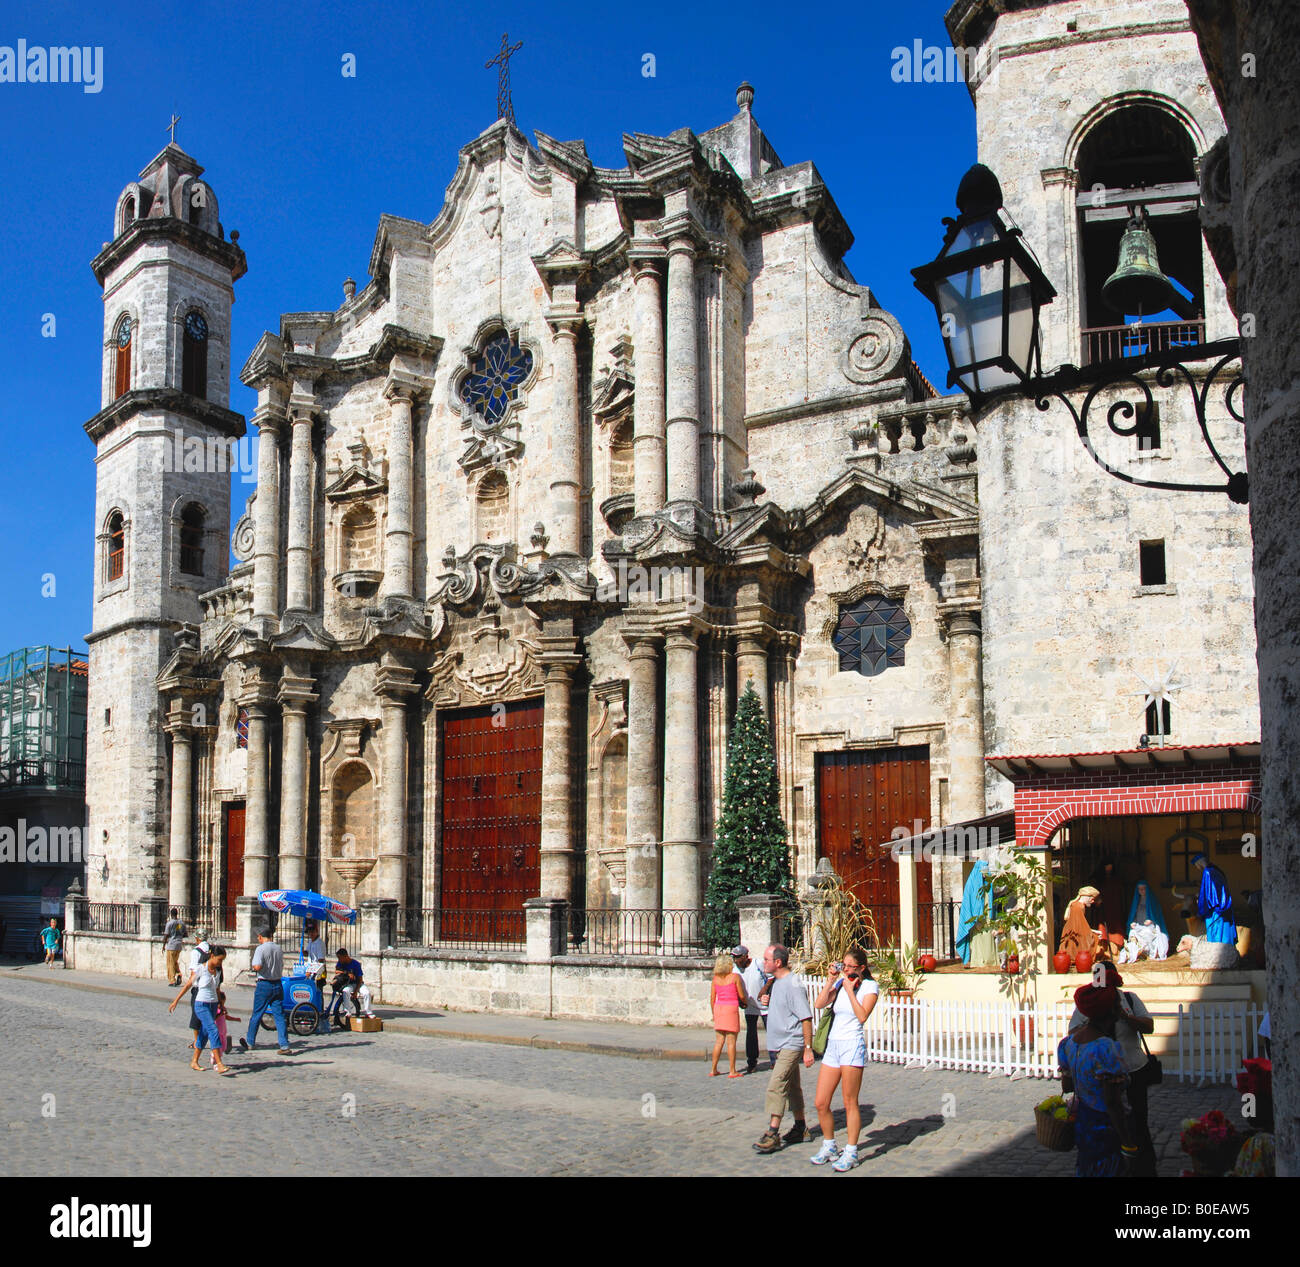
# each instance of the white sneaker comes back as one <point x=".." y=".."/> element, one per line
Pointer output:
<point x="848" y="1159"/>
<point x="827" y="1152"/>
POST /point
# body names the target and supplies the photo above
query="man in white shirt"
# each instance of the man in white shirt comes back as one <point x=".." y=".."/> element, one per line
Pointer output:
<point x="755" y="978"/>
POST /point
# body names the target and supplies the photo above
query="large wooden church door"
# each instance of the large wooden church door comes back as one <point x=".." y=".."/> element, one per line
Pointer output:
<point x="491" y="817"/>
<point x="862" y="796"/>
<point x="232" y="872"/>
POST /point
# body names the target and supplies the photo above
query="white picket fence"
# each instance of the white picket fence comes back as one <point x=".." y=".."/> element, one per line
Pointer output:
<point x="1020" y="1040"/>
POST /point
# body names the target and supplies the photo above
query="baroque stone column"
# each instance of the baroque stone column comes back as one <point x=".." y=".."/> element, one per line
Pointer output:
<point x="298" y="553"/>
<point x="295" y="697"/>
<point x="180" y="852"/>
<point x="966" y="719"/>
<point x="642" y="889"/>
<point x="566" y="449"/>
<point x="683" y="425"/>
<point x="270" y="422"/>
<point x="557" y="846"/>
<point x="398" y="535"/>
<point x="257" y="817"/>
<point x="649" y="473"/>
<point x="393" y="684"/>
<point x="681" y="846"/>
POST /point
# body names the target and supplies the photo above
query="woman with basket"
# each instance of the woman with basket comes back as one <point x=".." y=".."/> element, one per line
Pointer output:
<point x="1092" y="1068"/>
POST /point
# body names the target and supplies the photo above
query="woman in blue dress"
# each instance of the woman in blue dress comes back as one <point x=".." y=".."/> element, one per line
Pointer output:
<point x="1092" y="1068"/>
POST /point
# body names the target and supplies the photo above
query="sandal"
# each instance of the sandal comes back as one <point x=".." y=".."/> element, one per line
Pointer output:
<point x="223" y="1068"/>
<point x="735" y="1075"/>
<point x="197" y="1068"/>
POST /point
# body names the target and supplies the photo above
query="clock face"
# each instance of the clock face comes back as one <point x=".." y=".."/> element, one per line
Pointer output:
<point x="196" y="327"/>
<point x="124" y="332"/>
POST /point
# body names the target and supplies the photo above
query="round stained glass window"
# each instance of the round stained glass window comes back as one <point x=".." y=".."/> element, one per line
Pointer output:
<point x="870" y="636"/>
<point x="494" y="379"/>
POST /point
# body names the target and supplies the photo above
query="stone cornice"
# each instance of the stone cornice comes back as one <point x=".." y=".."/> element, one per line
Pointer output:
<point x="227" y="254"/>
<point x="223" y="421"/>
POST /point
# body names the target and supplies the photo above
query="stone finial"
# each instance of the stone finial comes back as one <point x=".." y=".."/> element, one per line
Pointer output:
<point x="747" y="488"/>
<point x="539" y="537"/>
<point x="349" y="288"/>
<point x="745" y="95"/>
<point x="234" y="235"/>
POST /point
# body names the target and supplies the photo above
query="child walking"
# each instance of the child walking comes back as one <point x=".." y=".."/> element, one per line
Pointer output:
<point x="222" y="1017"/>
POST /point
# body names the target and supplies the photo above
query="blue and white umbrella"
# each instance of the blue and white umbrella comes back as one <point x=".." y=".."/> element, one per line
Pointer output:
<point x="307" y="904"/>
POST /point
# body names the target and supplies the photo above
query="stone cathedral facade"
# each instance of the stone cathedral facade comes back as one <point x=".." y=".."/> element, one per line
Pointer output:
<point x="592" y="450"/>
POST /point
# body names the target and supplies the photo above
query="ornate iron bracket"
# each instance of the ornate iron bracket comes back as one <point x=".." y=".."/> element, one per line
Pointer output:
<point x="1169" y="366"/>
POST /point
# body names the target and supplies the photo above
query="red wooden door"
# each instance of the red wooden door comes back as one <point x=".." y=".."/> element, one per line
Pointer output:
<point x="233" y="871"/>
<point x="491" y="818"/>
<point x="861" y="798"/>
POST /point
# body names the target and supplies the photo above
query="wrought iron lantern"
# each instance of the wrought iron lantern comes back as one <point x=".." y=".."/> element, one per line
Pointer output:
<point x="987" y="289"/>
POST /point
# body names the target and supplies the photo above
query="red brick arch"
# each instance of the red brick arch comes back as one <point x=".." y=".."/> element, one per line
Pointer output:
<point x="1040" y="811"/>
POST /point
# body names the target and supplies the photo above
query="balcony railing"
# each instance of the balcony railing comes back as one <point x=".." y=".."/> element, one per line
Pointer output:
<point x="48" y="772"/>
<point x="1114" y="343"/>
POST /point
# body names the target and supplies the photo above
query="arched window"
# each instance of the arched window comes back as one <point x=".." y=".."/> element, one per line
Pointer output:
<point x="870" y="636"/>
<point x="493" y="508"/>
<point x="1139" y="157"/>
<point x="122" y="357"/>
<point x="192" y="540"/>
<point x="128" y="214"/>
<point x="115" y="562"/>
<point x="194" y="355"/>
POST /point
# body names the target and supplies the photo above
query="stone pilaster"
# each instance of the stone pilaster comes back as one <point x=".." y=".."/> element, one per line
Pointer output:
<point x="643" y="821"/>
<point x="270" y="422"/>
<point x="966" y="719"/>
<point x="180" y="852"/>
<point x="257" y="822"/>
<point x="393" y="684"/>
<point x="683" y="424"/>
<point x="566" y="449"/>
<point x="295" y="698"/>
<point x="398" y="535"/>
<point x="301" y="474"/>
<point x="648" y="419"/>
<point x="681" y="847"/>
<point x="557" y="846"/>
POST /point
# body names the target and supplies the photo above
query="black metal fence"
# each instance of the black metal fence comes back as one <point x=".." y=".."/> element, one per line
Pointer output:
<point x="462" y="930"/>
<point x="635" y="932"/>
<point x="113" y="917"/>
<point x="216" y="921"/>
<point x="937" y="926"/>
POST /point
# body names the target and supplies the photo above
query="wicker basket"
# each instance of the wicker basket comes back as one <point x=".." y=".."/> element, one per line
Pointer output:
<point x="1054" y="1133"/>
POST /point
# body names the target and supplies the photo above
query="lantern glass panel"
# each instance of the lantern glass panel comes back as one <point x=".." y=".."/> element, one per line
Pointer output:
<point x="970" y="308"/>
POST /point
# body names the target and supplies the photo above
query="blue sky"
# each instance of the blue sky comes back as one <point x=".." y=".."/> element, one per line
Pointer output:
<point x="304" y="161"/>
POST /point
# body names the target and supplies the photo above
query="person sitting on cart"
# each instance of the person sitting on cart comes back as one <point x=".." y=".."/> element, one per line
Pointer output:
<point x="268" y="963"/>
<point x="354" y="987"/>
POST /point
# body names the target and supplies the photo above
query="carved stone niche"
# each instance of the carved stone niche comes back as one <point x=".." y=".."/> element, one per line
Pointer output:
<point x="349" y="793"/>
<point x="357" y="498"/>
<point x="607" y="782"/>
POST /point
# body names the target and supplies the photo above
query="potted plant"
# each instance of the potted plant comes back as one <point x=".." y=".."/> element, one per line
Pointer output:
<point x="897" y="971"/>
<point x="1212" y="1142"/>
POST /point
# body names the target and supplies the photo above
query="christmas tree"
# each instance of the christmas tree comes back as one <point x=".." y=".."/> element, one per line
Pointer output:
<point x="750" y="853"/>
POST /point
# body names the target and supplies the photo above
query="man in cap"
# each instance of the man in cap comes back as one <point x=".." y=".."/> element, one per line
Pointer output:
<point x="268" y="963"/>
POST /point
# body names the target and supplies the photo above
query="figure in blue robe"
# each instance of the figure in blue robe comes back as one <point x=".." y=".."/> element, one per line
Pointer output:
<point x="1214" y="902"/>
<point x="976" y="900"/>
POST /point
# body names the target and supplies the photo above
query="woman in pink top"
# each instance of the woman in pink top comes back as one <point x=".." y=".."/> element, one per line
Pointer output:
<point x="726" y="998"/>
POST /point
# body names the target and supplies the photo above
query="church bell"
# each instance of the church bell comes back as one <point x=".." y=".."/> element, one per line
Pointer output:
<point x="1137" y="286"/>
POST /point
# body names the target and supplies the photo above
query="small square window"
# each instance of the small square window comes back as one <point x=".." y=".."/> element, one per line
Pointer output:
<point x="1151" y="560"/>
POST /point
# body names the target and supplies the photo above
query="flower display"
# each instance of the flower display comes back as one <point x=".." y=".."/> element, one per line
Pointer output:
<point x="1213" y="1131"/>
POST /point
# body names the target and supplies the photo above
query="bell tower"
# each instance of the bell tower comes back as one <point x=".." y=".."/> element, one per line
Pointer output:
<point x="164" y="439"/>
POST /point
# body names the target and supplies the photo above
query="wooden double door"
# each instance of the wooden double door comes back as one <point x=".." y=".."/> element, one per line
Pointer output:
<point x="862" y="797"/>
<point x="232" y="869"/>
<point x="491" y="814"/>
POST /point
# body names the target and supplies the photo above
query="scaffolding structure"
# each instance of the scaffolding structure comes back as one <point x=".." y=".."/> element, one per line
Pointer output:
<point x="43" y="719"/>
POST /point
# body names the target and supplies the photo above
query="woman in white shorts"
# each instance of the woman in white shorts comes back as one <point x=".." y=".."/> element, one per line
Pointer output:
<point x="846" y="1055"/>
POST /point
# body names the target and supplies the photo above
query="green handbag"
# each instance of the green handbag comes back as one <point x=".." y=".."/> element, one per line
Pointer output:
<point x="822" y="1034"/>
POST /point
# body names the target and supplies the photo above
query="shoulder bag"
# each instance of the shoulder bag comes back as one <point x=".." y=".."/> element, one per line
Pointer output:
<point x="1153" y="1072"/>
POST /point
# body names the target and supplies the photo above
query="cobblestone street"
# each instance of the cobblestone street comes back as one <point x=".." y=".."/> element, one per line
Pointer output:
<point x="126" y="1102"/>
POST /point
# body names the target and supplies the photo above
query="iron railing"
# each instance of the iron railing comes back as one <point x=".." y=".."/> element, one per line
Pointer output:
<point x="635" y="932"/>
<point x="113" y="917"/>
<point x="1114" y="343"/>
<point x="43" y="772"/>
<point x="937" y="927"/>
<point x="216" y="921"/>
<point x="462" y="930"/>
